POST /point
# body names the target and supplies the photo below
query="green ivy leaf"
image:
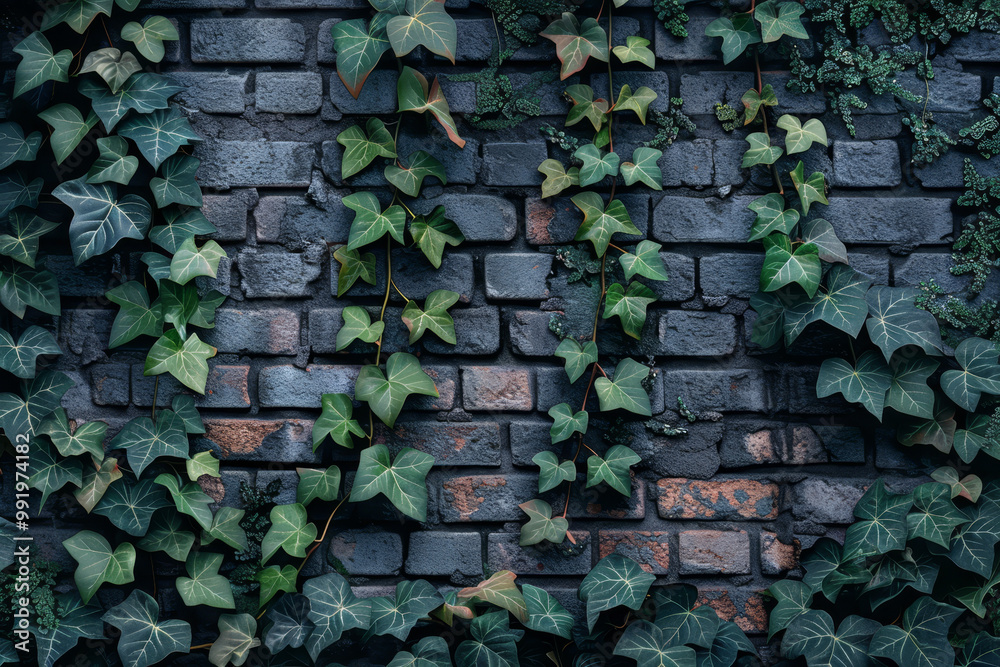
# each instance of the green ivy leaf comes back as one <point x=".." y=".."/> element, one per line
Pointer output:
<point x="131" y="506"/>
<point x="190" y="261"/>
<point x="681" y="621"/>
<point x="794" y="599"/>
<point x="98" y="563"/>
<point x="188" y="499"/>
<point x="96" y="481"/>
<point x="16" y="191"/>
<point x="370" y="223"/>
<point x="630" y="306"/>
<point x="359" y="48"/>
<point x="165" y="534"/>
<point x="76" y="621"/>
<point x="585" y="106"/>
<point x="578" y="357"/>
<point x="545" y="614"/>
<point x="68" y="128"/>
<point x="753" y="101"/>
<point x="181" y="223"/>
<point x="644" y="642"/>
<point x="385" y="394"/>
<point x="771" y="216"/>
<point x="820" y="233"/>
<point x="274" y="579"/>
<point x="204" y="585"/>
<point x="432" y="232"/>
<point x="811" y="190"/>
<point x="882" y="525"/>
<point x="176" y="183"/>
<point x="39" y="64"/>
<point x="646" y="262"/>
<point x="334" y="610"/>
<point x="760" y="152"/>
<point x="434" y="316"/>
<point x="202" y="463"/>
<point x="614" y="582"/>
<point x="980" y="373"/>
<point x="909" y="392"/>
<point x="551" y="472"/>
<point x="800" y="137"/>
<point x="100" y="219"/>
<point x="866" y="384"/>
<point x="25" y="228"/>
<point x="21" y="287"/>
<point x="812" y="635"/>
<point x="185" y="359"/>
<point x="413" y="94"/>
<point x="114" y="164"/>
<point x="143" y="93"/>
<point x="638" y="101"/>
<point x="565" y="424"/>
<point x="426" y="24"/>
<point x="974" y="544"/>
<point x="600" y="223"/>
<point x="923" y="639"/>
<point x="87" y="438"/>
<point x="15" y="147"/>
<point x="613" y="469"/>
<point x="982" y="650"/>
<point x="135" y="317"/>
<point x="402" y="481"/>
<point x="226" y="527"/>
<point x="935" y="516"/>
<point x="626" y="391"/>
<point x="145" y="639"/>
<point x="783" y="265"/>
<point x="737" y="34"/>
<point x="939" y="431"/>
<point x="353" y="265"/>
<point x="145" y="441"/>
<point x="77" y="14"/>
<point x="643" y="168"/>
<point x="397" y="616"/>
<point x="428" y="652"/>
<point x="778" y="19"/>
<point x="336" y="421"/>
<point x="841" y="304"/>
<point x="974" y="438"/>
<point x="289" y="623"/>
<point x="411" y="179"/>
<point x="237" y="636"/>
<point x="896" y="321"/>
<point x="768" y="328"/>
<point x="635" y="50"/>
<point x="149" y="36"/>
<point x="159" y="134"/>
<point x="557" y="178"/>
<point x="361" y="147"/>
<point x="111" y="65"/>
<point x="41" y="395"/>
<point x="541" y="526"/>
<point x="492" y="641"/>
<point x="499" y="590"/>
<point x="595" y="165"/>
<point x="322" y="484"/>
<point x="19" y="357"/>
<point x="290" y="530"/>
<point x="576" y="43"/>
<point x="358" y="324"/>
<point x="51" y="472"/>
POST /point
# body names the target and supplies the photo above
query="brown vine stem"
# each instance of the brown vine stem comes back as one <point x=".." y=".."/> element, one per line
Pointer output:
<point x="385" y="301"/>
<point x="200" y="646"/>
<point x="156" y="389"/>
<point x="322" y="537"/>
<point x="763" y="115"/>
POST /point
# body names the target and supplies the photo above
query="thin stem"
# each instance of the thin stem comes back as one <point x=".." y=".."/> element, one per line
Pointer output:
<point x="156" y="389"/>
<point x="398" y="290"/>
<point x="597" y="312"/>
<point x="385" y="301"/>
<point x="321" y="537"/>
<point x="611" y="88"/>
<point x="208" y="645"/>
<point x="621" y="250"/>
<point x="763" y="115"/>
<point x="412" y="214"/>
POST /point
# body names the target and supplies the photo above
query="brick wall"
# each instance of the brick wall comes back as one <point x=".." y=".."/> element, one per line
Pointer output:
<point x="768" y="468"/>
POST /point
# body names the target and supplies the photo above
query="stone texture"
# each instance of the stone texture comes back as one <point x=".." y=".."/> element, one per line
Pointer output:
<point x="714" y="552"/>
<point x="247" y="41"/>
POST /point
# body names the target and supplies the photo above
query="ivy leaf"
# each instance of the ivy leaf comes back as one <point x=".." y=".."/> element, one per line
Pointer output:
<point x="866" y="384"/>
<point x="909" y="392"/>
<point x="144" y="93"/>
<point x="737" y="34"/>
<point x="578" y="357"/>
<point x="204" y="585"/>
<point x="145" y="441"/>
<point x="361" y="147"/>
<point x="149" y="36"/>
<point x="190" y="261"/>
<point x="77" y="14"/>
<point x="402" y="481"/>
<point x="643" y="168"/>
<point x="358" y="324"/>
<point x="638" y="101"/>
<point x="585" y="106"/>
<point x="783" y="265"/>
<point x="100" y="219"/>
<point x="600" y="223"/>
<point x="41" y="395"/>
<point x="237" y="636"/>
<point x="14" y="147"/>
<point x="25" y="228"/>
<point x="50" y="472"/>
<point x="614" y="582"/>
<point x="973" y="547"/>
<point x="188" y="499"/>
<point x="896" y="321"/>
<point x="768" y="328"/>
<point x="176" y="183"/>
<point x="370" y="223"/>
<point x="96" y="481"/>
<point x="923" y="639"/>
<point x="595" y="165"/>
<point x="545" y="614"/>
<point x="426" y="24"/>
<point x="974" y="438"/>
<point x="322" y="484"/>
<point x="492" y="641"/>
<point x="165" y="534"/>
<point x="114" y="164"/>
<point x="200" y="464"/>
<point x="21" y="287"/>
<point x="353" y="265"/>
<point x="982" y="650"/>
<point x="428" y="652"/>
<point x="290" y="530"/>
<point x="841" y="304"/>
<point x="39" y="64"/>
<point x="181" y="223"/>
<point x="812" y="635"/>
<point x="626" y="391"/>
<point x="16" y="191"/>
<point x="432" y="232"/>
<point x="146" y="640"/>
<point x="551" y="472"/>
<point x="778" y="19"/>
<point x="800" y="137"/>
<point x="630" y="306"/>
<point x="413" y="94"/>
<point x="111" y="65"/>
<point x="98" y="563"/>
<point x="359" y="48"/>
<point x="333" y="609"/>
<point x="646" y="262"/>
<point x="159" y="134"/>
<point x="226" y="527"/>
<point x="644" y="642"/>
<point x="397" y="616"/>
<point x="821" y="233"/>
<point x="385" y="394"/>
<point x="557" y="178"/>
<point x="274" y="579"/>
<point x="434" y="316"/>
<point x="575" y="44"/>
<point x="753" y="101"/>
<point x="680" y="620"/>
<point x="935" y="516"/>
<point x="499" y="590"/>
<point x="939" y="431"/>
<point x="135" y="317"/>
<point x="68" y="128"/>
<point x="882" y="525"/>
<point x="794" y="598"/>
<point x="185" y="359"/>
<point x="336" y="421"/>
<point x="565" y="424"/>
<point x="760" y="152"/>
<point x="541" y="526"/>
<point x="131" y="506"/>
<point x="76" y="621"/>
<point x="411" y="179"/>
<point x="88" y="438"/>
<point x="635" y="49"/>
<point x="811" y="190"/>
<point x="771" y="216"/>
<point x="980" y="373"/>
<point x="613" y="469"/>
<point x="19" y="357"/>
<point x="289" y="622"/>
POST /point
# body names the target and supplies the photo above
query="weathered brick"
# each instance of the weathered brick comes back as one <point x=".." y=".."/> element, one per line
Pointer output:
<point x="289" y="480"/>
<point x="226" y="388"/>
<point x="378" y="96"/>
<point x="277" y="274"/>
<point x="649" y="548"/>
<point x="518" y="276"/>
<point x="110" y="384"/>
<point x="485" y="497"/>
<point x="800" y="395"/>
<point x="696" y="46"/>
<point x="451" y="444"/>
<point x="213" y="92"/>
<point x="866" y="164"/>
<point x="827" y="500"/>
<point x="273" y="440"/>
<point x="225" y="489"/>
<point x="714" y="552"/>
<point x="713" y="220"/>
<point x="527" y="439"/>
<point x="694" y="455"/>
<point x="445" y="554"/>
<point x="680" y="270"/>
<point x="495" y="388"/>
<point x="247" y="41"/>
<point x="742" y="606"/>
<point x="687" y="163"/>
<point x="922" y="267"/>
<point x="729" y="499"/>
<point x="266" y="164"/>
<point x="735" y="390"/>
<point x="291" y="387"/>
<point x="480" y="217"/>
<point x="505" y="553"/>
<point x="530" y="334"/>
<point x="325" y="53"/>
<point x="976" y="46"/>
<point x="255" y="331"/>
<point x="294" y="221"/>
<point x="554" y="387"/>
<point x="85" y="332"/>
<point x="229" y="214"/>
<point x="462" y="167"/>
<point x="777" y="557"/>
<point x="946" y="171"/>
<point x="824" y="443"/>
<point x="728" y="155"/>
<point x="752" y="443"/>
<point x="702" y="91"/>
<point x="950" y="90"/>
<point x="557" y="220"/>
<point x="477" y="333"/>
<point x="513" y="164"/>
<point x="734" y="275"/>
<point x="692" y="333"/>
<point x="368" y="551"/>
<point x="289" y="92"/>
<point x="597" y="503"/>
<point x="92" y="278"/>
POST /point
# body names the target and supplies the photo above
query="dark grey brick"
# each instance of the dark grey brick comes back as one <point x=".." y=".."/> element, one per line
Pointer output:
<point x="233" y="164"/>
<point x="325" y="54"/>
<point x="866" y="164"/>
<point x="951" y="90"/>
<point x="92" y="278"/>
<point x="921" y="267"/>
<point x="475" y="39"/>
<point x="513" y="164"/>
<point x="827" y="500"/>
<point x="695" y="455"/>
<point x="909" y="220"/>
<point x="946" y="171"/>
<point x="728" y="156"/>
<point x="410" y="268"/>
<point x="680" y="270"/>
<point x="367" y="551"/>
<point x="874" y="264"/>
<point x="477" y="332"/>
<point x="445" y="554"/>
<point x="277" y="274"/>
<point x="370" y="176"/>
<point x="692" y="333"/>
<point x="529" y="438"/>
<point x="686" y="219"/>
<point x="293" y="221"/>
<point x="728" y="390"/>
<point x="226" y="388"/>
<point x="291" y="387"/>
<point x="480" y="217"/>
<point x="289" y="92"/>
<point x="273" y="331"/>
<point x="195" y="4"/>
<point x="378" y="96"/>
<point x="696" y="46"/>
<point x="687" y="163"/>
<point x="530" y="334"/>
<point x="461" y="164"/>
<point x="975" y="47"/>
<point x="229" y="214"/>
<point x="518" y="276"/>
<point x="451" y="444"/>
<point x="247" y="41"/>
<point x="702" y="91"/>
<point x="505" y="553"/>
<point x="557" y="220"/>
<point x="714" y="552"/>
<point x="213" y="92"/>
<point x="110" y="384"/>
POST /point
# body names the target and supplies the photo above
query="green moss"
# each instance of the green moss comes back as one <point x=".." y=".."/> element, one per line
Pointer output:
<point x="41" y="581"/>
<point x="984" y="135"/>
<point x="671" y="14"/>
<point x="929" y="141"/>
<point x="670" y="124"/>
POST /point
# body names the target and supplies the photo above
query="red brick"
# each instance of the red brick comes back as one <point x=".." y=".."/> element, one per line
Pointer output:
<point x="776" y="557"/>
<point x="714" y="552"/>
<point x="743" y="607"/>
<point x="495" y="388"/>
<point x="651" y="549"/>
<point x="681" y="498"/>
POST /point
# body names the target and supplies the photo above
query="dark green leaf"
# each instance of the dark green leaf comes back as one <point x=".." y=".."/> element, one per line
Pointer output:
<point x="385" y="394"/>
<point x="541" y="526"/>
<point x="896" y="321"/>
<point x="353" y="265"/>
<point x="578" y="357"/>
<point x="613" y="469"/>
<point x="433" y="317"/>
<point x="882" y="525"/>
<point x="333" y="609"/>
<point x="100" y="219"/>
<point x="737" y="34"/>
<point x="565" y="424"/>
<point x="290" y="530"/>
<point x="600" y="223"/>
<point x="401" y="480"/>
<point x="410" y="179"/>
<point x="98" y="563"/>
<point x="626" y="391"/>
<point x="629" y="306"/>
<point x="359" y="49"/>
<point x="867" y="383"/>
<point x="145" y="639"/>
<point x="336" y="421"/>
<point x="19" y="357"/>
<point x="159" y="134"/>
<point x="39" y="64"/>
<point x="615" y="581"/>
<point x="204" y="585"/>
<point x="783" y="265"/>
<point x="361" y="147"/>
<point x="397" y="616"/>
<point x="131" y="506"/>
